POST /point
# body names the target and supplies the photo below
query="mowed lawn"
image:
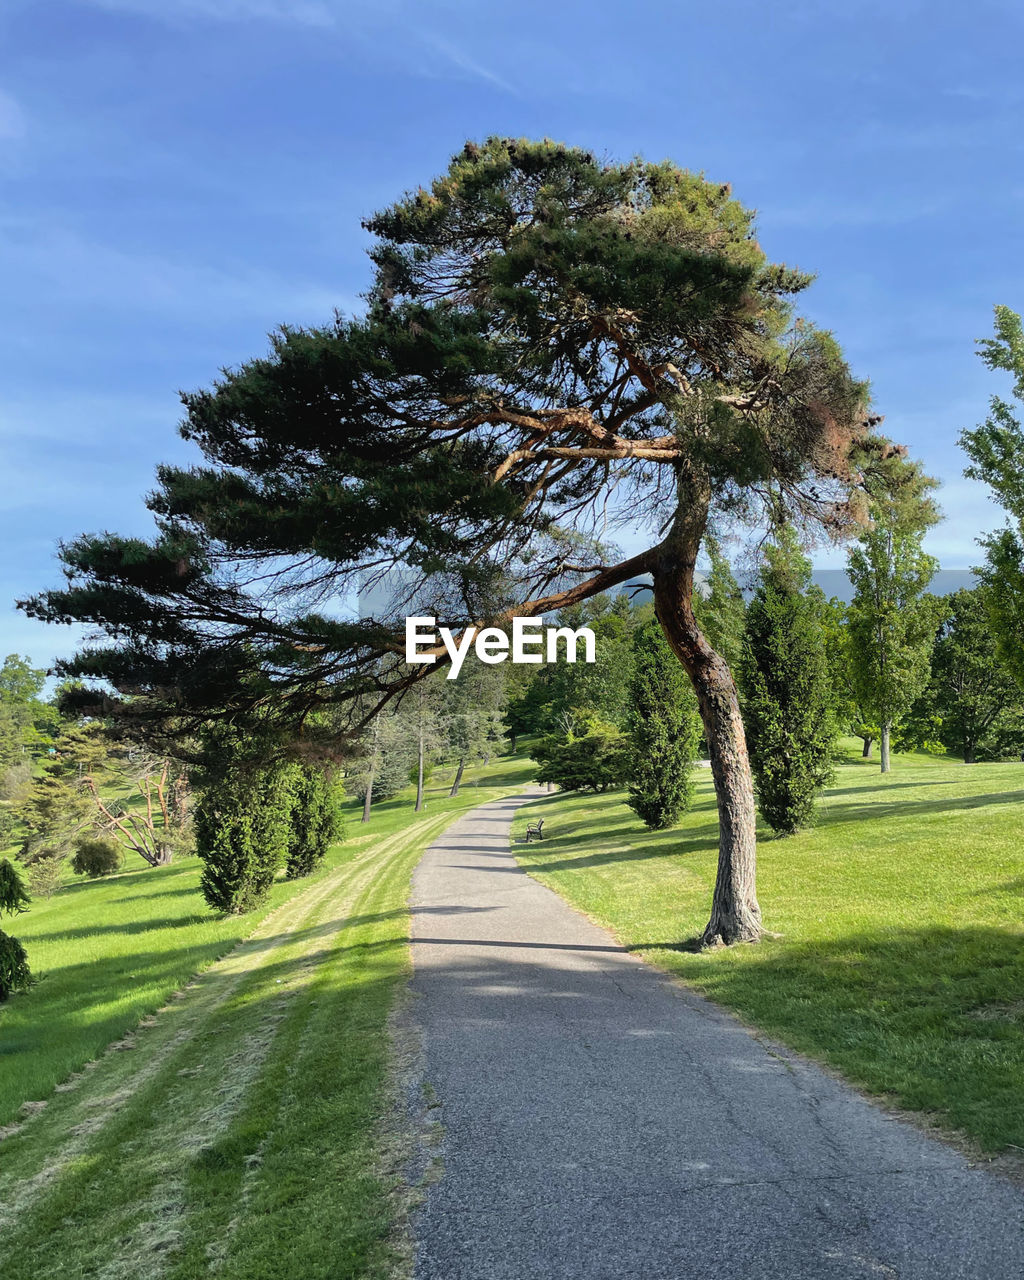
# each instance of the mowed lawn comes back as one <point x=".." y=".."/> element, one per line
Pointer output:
<point x="107" y="952"/>
<point x="901" y="960"/>
<point x="240" y="1130"/>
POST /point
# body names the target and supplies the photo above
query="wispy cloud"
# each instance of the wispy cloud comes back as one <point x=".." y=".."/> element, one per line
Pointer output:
<point x="463" y="62"/>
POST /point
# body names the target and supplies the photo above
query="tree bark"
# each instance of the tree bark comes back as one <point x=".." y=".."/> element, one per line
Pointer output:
<point x="884" y="752"/>
<point x="735" y="914"/>
<point x="968" y="753"/>
<point x="866" y="753"/>
<point x="368" y="798"/>
<point x="458" y="778"/>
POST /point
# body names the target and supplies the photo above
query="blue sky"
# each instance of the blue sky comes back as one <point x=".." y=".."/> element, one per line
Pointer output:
<point x="177" y="177"/>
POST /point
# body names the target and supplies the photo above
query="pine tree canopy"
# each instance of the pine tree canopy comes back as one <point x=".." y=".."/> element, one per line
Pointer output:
<point x="542" y="329"/>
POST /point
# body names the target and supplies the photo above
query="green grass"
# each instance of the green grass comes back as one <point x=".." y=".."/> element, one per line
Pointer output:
<point x="901" y="961"/>
<point x="238" y="1127"/>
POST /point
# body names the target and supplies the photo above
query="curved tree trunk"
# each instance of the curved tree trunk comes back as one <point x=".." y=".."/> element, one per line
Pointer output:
<point x="735" y="914"/>
<point x="458" y="778"/>
<point x="866" y="753"/>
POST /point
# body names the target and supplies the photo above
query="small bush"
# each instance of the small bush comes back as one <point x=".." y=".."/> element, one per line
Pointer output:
<point x="592" y="757"/>
<point x="96" y="856"/>
<point x="45" y="867"/>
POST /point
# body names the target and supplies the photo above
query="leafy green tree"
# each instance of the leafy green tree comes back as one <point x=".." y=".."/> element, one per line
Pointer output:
<point x="383" y="769"/>
<point x="543" y="329"/>
<point x="15" y="974"/>
<point x="589" y="755"/>
<point x="891" y="620"/>
<point x="974" y="700"/>
<point x="788" y="701"/>
<point x="470" y="715"/>
<point x="21" y="687"/>
<point x="664" y="728"/>
<point x="314" y="820"/>
<point x="996" y="450"/>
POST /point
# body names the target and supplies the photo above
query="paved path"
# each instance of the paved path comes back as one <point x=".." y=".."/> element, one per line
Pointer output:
<point x="601" y="1123"/>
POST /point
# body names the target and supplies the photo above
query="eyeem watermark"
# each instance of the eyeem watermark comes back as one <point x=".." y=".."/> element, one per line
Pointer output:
<point x="531" y="642"/>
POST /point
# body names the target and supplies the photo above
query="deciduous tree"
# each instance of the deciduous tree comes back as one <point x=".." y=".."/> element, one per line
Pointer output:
<point x="996" y="450"/>
<point x="891" y="620"/>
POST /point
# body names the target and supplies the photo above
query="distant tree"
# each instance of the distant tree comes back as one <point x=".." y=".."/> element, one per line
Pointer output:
<point x="601" y="686"/>
<point x="242" y="830"/>
<point x="527" y="710"/>
<point x="15" y="974"/>
<point x="788" y="700"/>
<point x="45" y="866"/>
<point x="383" y="769"/>
<point x="664" y="728"/>
<point x="996" y="450"/>
<point x="470" y="715"/>
<point x="314" y="820"/>
<point x="849" y="714"/>
<point x="96" y="856"/>
<point x="975" y="701"/>
<point x="588" y="755"/>
<point x="161" y="827"/>
<point x="891" y="620"/>
<point x="420" y="714"/>
<point x="719" y="606"/>
<point x="28" y="722"/>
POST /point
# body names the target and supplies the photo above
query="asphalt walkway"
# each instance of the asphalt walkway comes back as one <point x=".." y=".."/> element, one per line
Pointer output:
<point x="600" y="1122"/>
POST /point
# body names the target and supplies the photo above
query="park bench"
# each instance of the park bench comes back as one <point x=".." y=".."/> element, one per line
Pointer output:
<point x="534" y="829"/>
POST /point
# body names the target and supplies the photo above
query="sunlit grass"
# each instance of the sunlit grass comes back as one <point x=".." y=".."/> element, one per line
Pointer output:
<point x="105" y="952"/>
<point x="901" y="960"/>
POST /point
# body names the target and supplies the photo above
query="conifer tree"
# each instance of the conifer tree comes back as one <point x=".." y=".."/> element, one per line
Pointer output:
<point x="15" y="974"/>
<point x="241" y="830"/>
<point x="543" y="328"/>
<point x="314" y="820"/>
<point x="664" y="727"/>
<point x="788" y="702"/>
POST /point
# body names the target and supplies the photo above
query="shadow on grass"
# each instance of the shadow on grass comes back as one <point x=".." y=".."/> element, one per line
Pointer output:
<point x="884" y="785"/>
<point x="829" y="814"/>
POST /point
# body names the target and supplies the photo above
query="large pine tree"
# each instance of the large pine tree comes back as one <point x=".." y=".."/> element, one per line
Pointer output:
<point x="542" y="328"/>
